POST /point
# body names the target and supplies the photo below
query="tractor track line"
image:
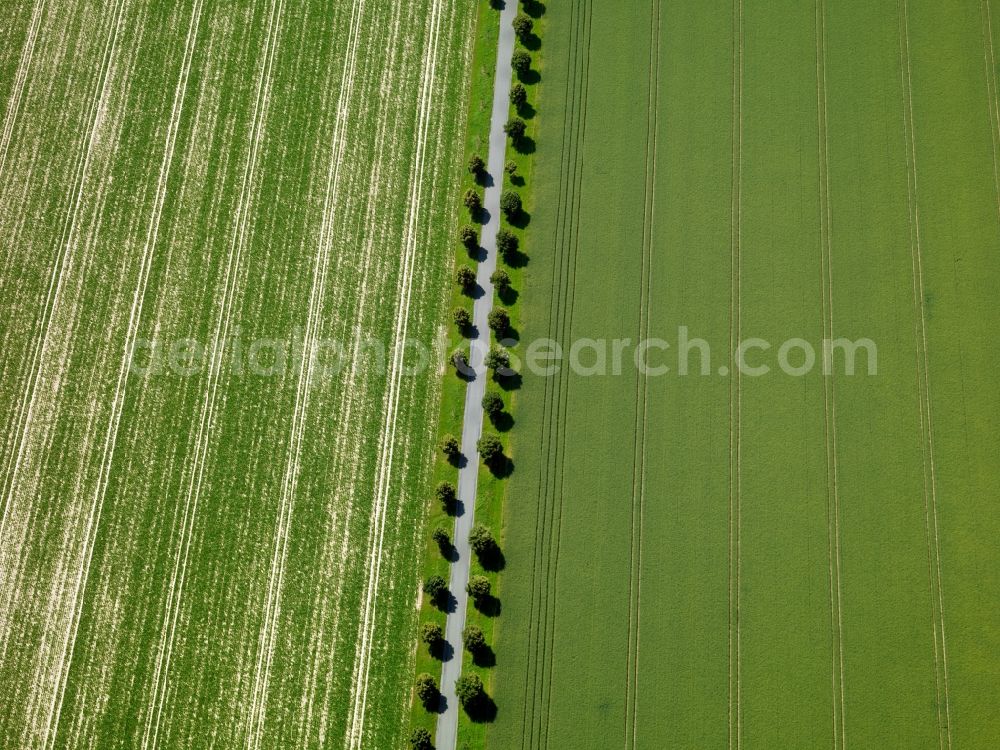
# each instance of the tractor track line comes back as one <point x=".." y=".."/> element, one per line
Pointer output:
<point x="135" y="317"/>
<point x="355" y="737"/>
<point x="176" y="587"/>
<point x="20" y="81"/>
<point x="931" y="523"/>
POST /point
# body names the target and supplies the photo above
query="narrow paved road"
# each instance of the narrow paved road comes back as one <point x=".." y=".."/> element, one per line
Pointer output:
<point x="447" y="726"/>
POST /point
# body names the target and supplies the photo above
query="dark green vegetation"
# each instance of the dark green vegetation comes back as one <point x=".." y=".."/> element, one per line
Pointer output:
<point x="775" y="561"/>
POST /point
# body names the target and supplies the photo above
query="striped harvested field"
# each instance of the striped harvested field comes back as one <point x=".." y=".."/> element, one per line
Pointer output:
<point x="219" y="222"/>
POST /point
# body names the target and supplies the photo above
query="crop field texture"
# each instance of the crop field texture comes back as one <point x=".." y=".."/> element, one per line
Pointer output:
<point x="724" y="560"/>
<point x="215" y="553"/>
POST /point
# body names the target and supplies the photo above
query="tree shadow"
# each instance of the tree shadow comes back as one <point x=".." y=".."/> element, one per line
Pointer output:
<point x="511" y="336"/>
<point x="525" y="145"/>
<point x="501" y="468"/>
<point x="502" y="422"/>
<point x="517" y="180"/>
<point x="470" y="331"/>
<point x="446" y="602"/>
<point x="532" y="42"/>
<point x="459" y="461"/>
<point x="484" y="179"/>
<point x="442" y="651"/>
<point x="484" y="657"/>
<point x="492" y="558"/>
<point x="526" y="111"/>
<point x="511" y="382"/>
<point x="482" y="709"/>
<point x="440" y="706"/>
<point x="520" y="220"/>
<point x="488" y="606"/>
<point x="515" y="259"/>
<point x="530" y="77"/>
<point x="480" y="216"/>
<point x="533" y="8"/>
<point x="455" y="508"/>
<point x="509" y="295"/>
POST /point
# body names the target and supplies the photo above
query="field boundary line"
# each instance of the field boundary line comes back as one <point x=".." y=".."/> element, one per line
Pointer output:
<point x="931" y="525"/>
<point x="272" y="608"/>
<point x="642" y="385"/>
<point x="735" y="391"/>
<point x="829" y="390"/>
<point x="60" y="268"/>
<point x="118" y="401"/>
<point x="178" y="576"/>
<point x="550" y="393"/>
<point x="574" y="229"/>
<point x="355" y="736"/>
<point x="20" y="81"/>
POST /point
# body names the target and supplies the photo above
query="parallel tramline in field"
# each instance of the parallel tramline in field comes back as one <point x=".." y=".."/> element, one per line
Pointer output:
<point x="217" y="554"/>
<point x="729" y="559"/>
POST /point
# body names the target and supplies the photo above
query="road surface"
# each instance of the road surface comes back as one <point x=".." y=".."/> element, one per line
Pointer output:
<point x="472" y="427"/>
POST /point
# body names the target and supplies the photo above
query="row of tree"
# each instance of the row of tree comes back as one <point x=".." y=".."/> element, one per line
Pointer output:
<point x="469" y="688"/>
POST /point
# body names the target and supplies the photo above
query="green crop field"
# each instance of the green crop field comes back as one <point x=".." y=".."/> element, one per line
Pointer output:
<point x="764" y="560"/>
<point x="209" y="537"/>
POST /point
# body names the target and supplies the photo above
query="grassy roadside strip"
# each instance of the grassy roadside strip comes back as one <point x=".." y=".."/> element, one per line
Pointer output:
<point x="453" y="388"/>
<point x="492" y="494"/>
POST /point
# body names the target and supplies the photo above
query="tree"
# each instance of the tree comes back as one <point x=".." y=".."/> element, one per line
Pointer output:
<point x="479" y="588"/>
<point x="462" y="318"/>
<point x="421" y="740"/>
<point x="460" y="361"/>
<point x="492" y="404"/>
<point x="435" y="587"/>
<point x="499" y="321"/>
<point x="472" y="200"/>
<point x="515" y="128"/>
<point x="469" y="689"/>
<point x="518" y="96"/>
<point x="450" y="446"/>
<point x="431" y="634"/>
<point x="481" y="540"/>
<point x="500" y="279"/>
<point x="523" y="26"/>
<point x="507" y="242"/>
<point x="468" y="237"/>
<point x="498" y="359"/>
<point x="427" y="691"/>
<point x="446" y="495"/>
<point x="442" y="539"/>
<point x="490" y="448"/>
<point x="521" y="62"/>
<point x="511" y="168"/>
<point x="465" y="277"/>
<point x="473" y="639"/>
<point x="510" y="202"/>
<point x="476" y="165"/>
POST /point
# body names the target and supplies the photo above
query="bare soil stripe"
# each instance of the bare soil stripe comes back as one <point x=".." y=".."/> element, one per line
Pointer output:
<point x="355" y="736"/>
<point x="62" y="263"/>
<point x="20" y="81"/>
<point x="154" y="709"/>
<point x="135" y="316"/>
<point x="266" y="639"/>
